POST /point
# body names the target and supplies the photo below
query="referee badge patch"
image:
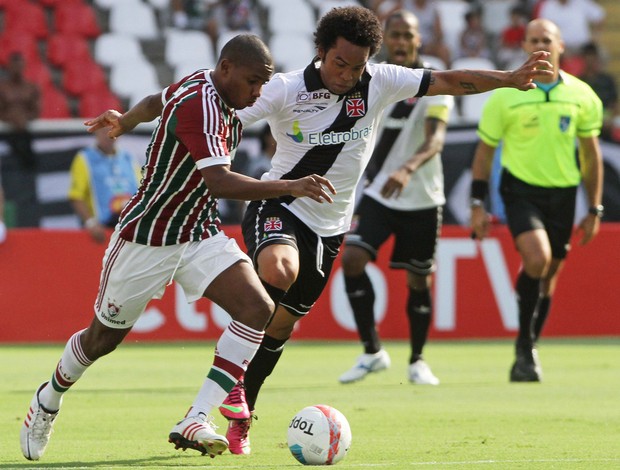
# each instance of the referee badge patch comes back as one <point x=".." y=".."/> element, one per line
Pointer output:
<point x="564" y="123"/>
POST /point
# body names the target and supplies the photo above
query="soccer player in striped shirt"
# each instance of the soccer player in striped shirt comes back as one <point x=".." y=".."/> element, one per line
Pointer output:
<point x="170" y="230"/>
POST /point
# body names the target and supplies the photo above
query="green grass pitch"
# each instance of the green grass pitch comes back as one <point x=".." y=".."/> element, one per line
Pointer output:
<point x="119" y="415"/>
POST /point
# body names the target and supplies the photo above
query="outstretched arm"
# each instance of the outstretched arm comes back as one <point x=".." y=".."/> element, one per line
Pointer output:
<point x="146" y="110"/>
<point x="223" y="183"/>
<point x="469" y="82"/>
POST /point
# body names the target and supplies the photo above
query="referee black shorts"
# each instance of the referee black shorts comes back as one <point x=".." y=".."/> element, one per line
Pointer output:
<point x="267" y="223"/>
<point x="531" y="207"/>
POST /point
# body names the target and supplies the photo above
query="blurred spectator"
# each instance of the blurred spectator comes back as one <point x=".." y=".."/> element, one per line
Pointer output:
<point x="189" y="14"/>
<point x="603" y="83"/>
<point x="103" y="179"/>
<point x="231" y="15"/>
<point x="19" y="104"/>
<point x="581" y="21"/>
<point x="510" y="50"/>
<point x="429" y="20"/>
<point x="473" y="39"/>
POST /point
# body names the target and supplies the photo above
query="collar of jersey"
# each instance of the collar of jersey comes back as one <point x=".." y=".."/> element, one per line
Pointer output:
<point x="313" y="80"/>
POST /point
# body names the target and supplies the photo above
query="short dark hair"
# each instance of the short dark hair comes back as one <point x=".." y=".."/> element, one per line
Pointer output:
<point x="245" y="48"/>
<point x="358" y="25"/>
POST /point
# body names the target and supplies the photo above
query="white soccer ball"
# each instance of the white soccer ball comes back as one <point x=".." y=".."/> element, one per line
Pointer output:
<point x="319" y="435"/>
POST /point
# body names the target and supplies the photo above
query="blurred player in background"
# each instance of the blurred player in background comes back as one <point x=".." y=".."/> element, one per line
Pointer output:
<point x="404" y="199"/>
<point x="170" y="230"/>
<point x="103" y="179"/>
<point x="324" y="119"/>
<point x="540" y="176"/>
<point x="20" y="103"/>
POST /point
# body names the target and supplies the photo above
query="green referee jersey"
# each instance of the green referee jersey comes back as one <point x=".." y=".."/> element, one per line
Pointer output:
<point x="538" y="128"/>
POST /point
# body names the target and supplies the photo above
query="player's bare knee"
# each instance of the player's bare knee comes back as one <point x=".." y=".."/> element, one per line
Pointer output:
<point x="282" y="274"/>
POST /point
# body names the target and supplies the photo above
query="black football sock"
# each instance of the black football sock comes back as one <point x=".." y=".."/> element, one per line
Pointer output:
<point x="528" y="291"/>
<point x="261" y="367"/>
<point x="542" y="312"/>
<point x="362" y="299"/>
<point x="419" y="311"/>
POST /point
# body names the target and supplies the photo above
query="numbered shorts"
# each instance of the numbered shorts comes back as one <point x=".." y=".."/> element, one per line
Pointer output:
<point x="267" y="223"/>
<point x="533" y="207"/>
<point x="415" y="234"/>
<point x="134" y="274"/>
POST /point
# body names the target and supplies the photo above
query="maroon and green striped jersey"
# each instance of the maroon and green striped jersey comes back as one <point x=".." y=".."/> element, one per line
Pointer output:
<point x="173" y="204"/>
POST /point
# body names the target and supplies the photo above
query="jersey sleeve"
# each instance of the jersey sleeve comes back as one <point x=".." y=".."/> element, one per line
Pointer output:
<point x="591" y="114"/>
<point x="490" y="127"/>
<point x="270" y="102"/>
<point x="79" y="186"/>
<point x="201" y="129"/>
<point x="398" y="83"/>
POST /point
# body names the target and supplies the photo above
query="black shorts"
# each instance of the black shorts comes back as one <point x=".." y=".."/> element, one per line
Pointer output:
<point x="533" y="207"/>
<point x="415" y="234"/>
<point x="267" y="223"/>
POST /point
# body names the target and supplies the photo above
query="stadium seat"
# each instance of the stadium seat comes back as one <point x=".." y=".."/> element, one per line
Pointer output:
<point x="291" y="51"/>
<point x="111" y="48"/>
<point x="107" y="4"/>
<point x="134" y="18"/>
<point x="132" y="76"/>
<point x="183" y="46"/>
<point x="434" y="62"/>
<point x="18" y="41"/>
<point x="452" y="15"/>
<point x="65" y="48"/>
<point x="160" y="5"/>
<point x="496" y="16"/>
<point x="55" y="3"/>
<point x="291" y="16"/>
<point x="29" y="17"/>
<point x="185" y="68"/>
<point x="471" y="106"/>
<point x="93" y="104"/>
<point x="54" y="104"/>
<point x="38" y="72"/>
<point x="81" y="77"/>
<point x="323" y="6"/>
<point x="76" y="18"/>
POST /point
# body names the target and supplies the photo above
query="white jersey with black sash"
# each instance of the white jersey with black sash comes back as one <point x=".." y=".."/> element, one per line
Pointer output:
<point x="327" y="134"/>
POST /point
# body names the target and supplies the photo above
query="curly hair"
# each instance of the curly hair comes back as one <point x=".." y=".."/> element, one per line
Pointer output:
<point x="358" y="25"/>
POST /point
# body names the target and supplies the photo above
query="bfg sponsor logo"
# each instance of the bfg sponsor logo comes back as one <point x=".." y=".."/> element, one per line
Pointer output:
<point x="311" y="96"/>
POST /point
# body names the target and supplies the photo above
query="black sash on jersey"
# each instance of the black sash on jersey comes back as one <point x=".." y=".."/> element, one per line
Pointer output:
<point x="319" y="159"/>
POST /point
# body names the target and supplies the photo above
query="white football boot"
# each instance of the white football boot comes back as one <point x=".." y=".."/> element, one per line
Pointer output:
<point x="37" y="428"/>
<point x="420" y="373"/>
<point x="366" y="364"/>
<point x="198" y="433"/>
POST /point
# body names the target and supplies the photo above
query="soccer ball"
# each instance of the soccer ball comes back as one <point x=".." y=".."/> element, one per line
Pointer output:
<point x="319" y="435"/>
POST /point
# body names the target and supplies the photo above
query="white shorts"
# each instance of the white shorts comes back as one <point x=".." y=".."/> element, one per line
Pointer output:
<point x="134" y="274"/>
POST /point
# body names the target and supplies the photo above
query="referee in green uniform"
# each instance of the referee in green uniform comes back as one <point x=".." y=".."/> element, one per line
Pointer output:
<point x="541" y="171"/>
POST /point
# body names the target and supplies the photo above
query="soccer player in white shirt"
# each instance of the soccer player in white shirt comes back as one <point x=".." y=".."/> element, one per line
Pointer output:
<point x="325" y="119"/>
